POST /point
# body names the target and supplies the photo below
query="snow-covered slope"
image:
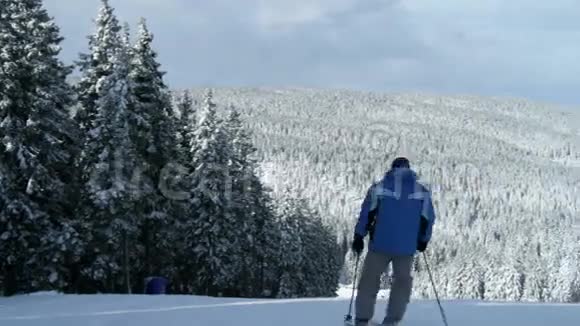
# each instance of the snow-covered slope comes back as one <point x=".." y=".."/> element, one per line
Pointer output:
<point x="111" y="310"/>
<point x="505" y="175"/>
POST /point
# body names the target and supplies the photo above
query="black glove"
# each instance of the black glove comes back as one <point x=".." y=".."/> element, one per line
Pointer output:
<point x="422" y="246"/>
<point x="358" y="244"/>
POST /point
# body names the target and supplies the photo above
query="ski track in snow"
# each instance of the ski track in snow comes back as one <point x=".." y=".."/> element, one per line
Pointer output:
<point x="175" y="310"/>
<point x="165" y="309"/>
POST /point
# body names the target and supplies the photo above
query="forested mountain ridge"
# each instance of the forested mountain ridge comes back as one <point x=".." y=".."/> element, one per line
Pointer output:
<point x="134" y="182"/>
<point x="103" y="188"/>
<point x="504" y="175"/>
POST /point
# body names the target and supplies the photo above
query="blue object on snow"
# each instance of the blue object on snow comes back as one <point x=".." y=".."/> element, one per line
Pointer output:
<point x="155" y="285"/>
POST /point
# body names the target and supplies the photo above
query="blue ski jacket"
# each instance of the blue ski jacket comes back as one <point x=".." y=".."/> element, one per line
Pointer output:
<point x="398" y="202"/>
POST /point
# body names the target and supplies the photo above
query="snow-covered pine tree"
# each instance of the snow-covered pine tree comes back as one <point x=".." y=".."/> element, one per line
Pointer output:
<point x="349" y="260"/>
<point x="183" y="267"/>
<point x="322" y="253"/>
<point x="290" y="249"/>
<point x="266" y="238"/>
<point x="565" y="283"/>
<point x="309" y="255"/>
<point x="186" y="122"/>
<point x="536" y="287"/>
<point x="152" y="131"/>
<point x="37" y="149"/>
<point x="505" y="283"/>
<point x="96" y="64"/>
<point x="347" y="272"/>
<point x="211" y="240"/>
<point x="250" y="203"/>
<point x="237" y="201"/>
<point x="466" y="280"/>
<point x="112" y="209"/>
<point x="184" y="136"/>
<point x="108" y="160"/>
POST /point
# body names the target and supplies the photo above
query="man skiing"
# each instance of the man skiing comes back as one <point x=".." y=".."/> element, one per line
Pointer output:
<point x="398" y="215"/>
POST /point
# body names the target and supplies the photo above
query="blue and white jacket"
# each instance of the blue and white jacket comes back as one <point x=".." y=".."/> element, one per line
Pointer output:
<point x="398" y="202"/>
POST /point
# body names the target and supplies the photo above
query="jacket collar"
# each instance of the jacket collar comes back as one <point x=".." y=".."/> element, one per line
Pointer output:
<point x="405" y="173"/>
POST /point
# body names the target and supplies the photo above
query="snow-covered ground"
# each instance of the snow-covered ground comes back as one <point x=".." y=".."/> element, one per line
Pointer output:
<point x="49" y="309"/>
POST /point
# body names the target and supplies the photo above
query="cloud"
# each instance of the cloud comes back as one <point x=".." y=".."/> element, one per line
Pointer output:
<point x="523" y="48"/>
<point x="272" y="14"/>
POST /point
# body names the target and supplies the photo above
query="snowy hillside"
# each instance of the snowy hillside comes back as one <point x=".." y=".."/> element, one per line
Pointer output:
<point x="504" y="173"/>
<point x="110" y="310"/>
<point x="110" y="181"/>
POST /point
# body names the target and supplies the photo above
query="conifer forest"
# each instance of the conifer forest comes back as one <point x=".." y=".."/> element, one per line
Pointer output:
<point x="113" y="176"/>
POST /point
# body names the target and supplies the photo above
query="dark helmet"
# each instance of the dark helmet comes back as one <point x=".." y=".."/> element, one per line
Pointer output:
<point x="401" y="162"/>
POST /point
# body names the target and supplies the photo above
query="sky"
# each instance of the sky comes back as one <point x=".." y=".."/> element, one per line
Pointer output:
<point x="517" y="48"/>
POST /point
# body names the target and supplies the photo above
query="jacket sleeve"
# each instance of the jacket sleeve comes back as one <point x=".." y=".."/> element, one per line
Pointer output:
<point x="368" y="204"/>
<point x="427" y="217"/>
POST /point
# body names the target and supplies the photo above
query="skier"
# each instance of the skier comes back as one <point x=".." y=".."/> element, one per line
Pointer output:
<point x="398" y="215"/>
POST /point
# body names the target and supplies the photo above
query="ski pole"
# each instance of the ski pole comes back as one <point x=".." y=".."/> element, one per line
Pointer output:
<point x="349" y="316"/>
<point x="435" y="290"/>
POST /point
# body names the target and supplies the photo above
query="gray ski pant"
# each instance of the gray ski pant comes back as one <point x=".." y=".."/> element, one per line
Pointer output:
<point x="374" y="265"/>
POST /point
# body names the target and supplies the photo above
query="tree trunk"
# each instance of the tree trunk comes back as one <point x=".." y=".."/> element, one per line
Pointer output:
<point x="147" y="240"/>
<point x="10" y="281"/>
<point x="126" y="262"/>
<point x="262" y="277"/>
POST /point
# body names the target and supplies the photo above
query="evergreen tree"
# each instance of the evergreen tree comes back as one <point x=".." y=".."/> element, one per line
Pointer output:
<point x="290" y="250"/>
<point x="185" y="140"/>
<point x="505" y="283"/>
<point x="309" y="256"/>
<point x="466" y="280"/>
<point x="186" y="123"/>
<point x="250" y="203"/>
<point x="37" y="148"/>
<point x="266" y="237"/>
<point x="184" y="269"/>
<point x="108" y="161"/>
<point x="565" y="282"/>
<point x="111" y="209"/>
<point x="98" y="63"/>
<point x="322" y="255"/>
<point x="536" y="287"/>
<point x="211" y="239"/>
<point x="152" y="131"/>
